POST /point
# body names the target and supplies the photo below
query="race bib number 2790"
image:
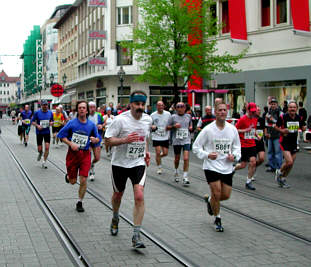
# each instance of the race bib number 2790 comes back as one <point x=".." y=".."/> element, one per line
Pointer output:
<point x="136" y="150"/>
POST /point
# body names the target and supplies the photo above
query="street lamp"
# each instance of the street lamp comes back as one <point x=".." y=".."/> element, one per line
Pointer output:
<point x="121" y="74"/>
<point x="64" y="80"/>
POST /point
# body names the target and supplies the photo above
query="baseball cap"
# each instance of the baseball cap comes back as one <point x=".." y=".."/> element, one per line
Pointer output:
<point x="108" y="108"/>
<point x="273" y="100"/>
<point x="44" y="102"/>
<point x="252" y="107"/>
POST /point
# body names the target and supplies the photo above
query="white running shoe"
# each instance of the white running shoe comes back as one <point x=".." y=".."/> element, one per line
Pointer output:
<point x="159" y="171"/>
<point x="176" y="177"/>
<point x="39" y="156"/>
<point x="92" y="177"/>
<point x="185" y="181"/>
<point x="44" y="165"/>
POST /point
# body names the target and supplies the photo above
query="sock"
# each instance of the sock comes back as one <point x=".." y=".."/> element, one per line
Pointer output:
<point x="185" y="174"/>
<point x="209" y="199"/>
<point x="137" y="230"/>
<point x="176" y="171"/>
<point x="80" y="200"/>
<point x="160" y="166"/>
<point x="217" y="216"/>
<point x="116" y="215"/>
<point x="248" y="180"/>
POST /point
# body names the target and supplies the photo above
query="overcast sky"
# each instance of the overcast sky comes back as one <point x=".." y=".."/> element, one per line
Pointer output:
<point x="17" y="20"/>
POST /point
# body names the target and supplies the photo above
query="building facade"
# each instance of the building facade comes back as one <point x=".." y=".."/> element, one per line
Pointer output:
<point x="9" y="90"/>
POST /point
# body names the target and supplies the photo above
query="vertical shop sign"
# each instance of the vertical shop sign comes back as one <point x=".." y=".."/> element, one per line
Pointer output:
<point x="39" y="63"/>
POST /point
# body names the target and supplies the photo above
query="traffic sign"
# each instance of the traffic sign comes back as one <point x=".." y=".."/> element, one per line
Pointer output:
<point x="57" y="90"/>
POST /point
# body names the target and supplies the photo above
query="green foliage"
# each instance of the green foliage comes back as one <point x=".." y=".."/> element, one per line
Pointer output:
<point x="162" y="42"/>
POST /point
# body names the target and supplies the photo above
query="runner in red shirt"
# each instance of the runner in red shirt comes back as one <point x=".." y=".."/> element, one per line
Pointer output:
<point x="246" y="126"/>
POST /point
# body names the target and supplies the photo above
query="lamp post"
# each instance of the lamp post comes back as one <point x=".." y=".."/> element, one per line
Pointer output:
<point x="121" y="74"/>
<point x="64" y="80"/>
<point x="51" y="79"/>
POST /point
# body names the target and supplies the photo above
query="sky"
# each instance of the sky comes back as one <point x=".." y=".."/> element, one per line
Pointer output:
<point x="17" y="20"/>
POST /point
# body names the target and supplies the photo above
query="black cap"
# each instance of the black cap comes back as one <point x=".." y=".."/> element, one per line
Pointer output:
<point x="44" y="102"/>
<point x="273" y="100"/>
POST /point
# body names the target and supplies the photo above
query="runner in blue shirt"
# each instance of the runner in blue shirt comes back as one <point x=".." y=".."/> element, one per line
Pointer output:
<point x="26" y="115"/>
<point x="78" y="134"/>
<point x="42" y="120"/>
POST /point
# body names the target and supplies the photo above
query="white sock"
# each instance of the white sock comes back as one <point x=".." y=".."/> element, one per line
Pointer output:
<point x="176" y="171"/>
<point x="248" y="180"/>
<point x="217" y="216"/>
<point x="160" y="166"/>
<point x="185" y="174"/>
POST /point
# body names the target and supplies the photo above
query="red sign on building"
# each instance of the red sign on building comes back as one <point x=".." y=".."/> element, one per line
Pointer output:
<point x="57" y="90"/>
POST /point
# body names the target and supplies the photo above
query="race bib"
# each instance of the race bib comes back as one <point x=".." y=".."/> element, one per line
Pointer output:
<point x="250" y="134"/>
<point x="222" y="146"/>
<point x="259" y="133"/>
<point x="45" y="123"/>
<point x="182" y="133"/>
<point x="160" y="131"/>
<point x="293" y="126"/>
<point x="27" y="121"/>
<point x="80" y="140"/>
<point x="136" y="150"/>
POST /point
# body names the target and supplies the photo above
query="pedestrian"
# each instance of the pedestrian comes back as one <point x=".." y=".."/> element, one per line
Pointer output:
<point x="246" y="126"/>
<point x="42" y="120"/>
<point x="97" y="119"/>
<point x="273" y="136"/>
<point x="128" y="134"/>
<point x="78" y="134"/>
<point x="207" y="119"/>
<point x="160" y="133"/>
<point x="288" y="125"/>
<point x="218" y="144"/>
<point x="181" y="125"/>
<point x="108" y="118"/>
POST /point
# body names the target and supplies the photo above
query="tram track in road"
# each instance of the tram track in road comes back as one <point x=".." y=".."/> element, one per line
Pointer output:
<point x="70" y="245"/>
<point x="80" y="255"/>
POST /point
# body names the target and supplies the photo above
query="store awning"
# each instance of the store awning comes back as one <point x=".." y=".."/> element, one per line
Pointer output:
<point x="237" y="21"/>
<point x="64" y="99"/>
<point x="300" y="16"/>
<point x="217" y="91"/>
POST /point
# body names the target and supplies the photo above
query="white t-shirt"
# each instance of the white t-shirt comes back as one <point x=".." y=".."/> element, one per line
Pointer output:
<point x="224" y="142"/>
<point x="161" y="121"/>
<point x="129" y="155"/>
<point x="108" y="120"/>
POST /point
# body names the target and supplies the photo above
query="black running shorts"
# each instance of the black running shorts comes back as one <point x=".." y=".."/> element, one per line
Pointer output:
<point x="119" y="176"/>
<point x="163" y="143"/>
<point x="41" y="137"/>
<point x="247" y="153"/>
<point x="260" y="146"/>
<point x="212" y="176"/>
<point x="291" y="147"/>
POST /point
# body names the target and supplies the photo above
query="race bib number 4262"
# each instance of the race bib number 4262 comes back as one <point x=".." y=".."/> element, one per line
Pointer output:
<point x="136" y="150"/>
<point x="79" y="139"/>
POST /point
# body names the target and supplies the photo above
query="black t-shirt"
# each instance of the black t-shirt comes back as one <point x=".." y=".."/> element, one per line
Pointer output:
<point x="292" y="124"/>
<point x="206" y="120"/>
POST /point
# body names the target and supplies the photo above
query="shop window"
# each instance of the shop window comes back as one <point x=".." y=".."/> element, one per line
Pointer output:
<point x="281" y="11"/>
<point x="90" y="95"/>
<point x="81" y="96"/>
<point x="161" y="93"/>
<point x="124" y="95"/>
<point x="101" y="92"/>
<point x="225" y="17"/>
<point x="265" y="13"/>
<point x="124" y="56"/>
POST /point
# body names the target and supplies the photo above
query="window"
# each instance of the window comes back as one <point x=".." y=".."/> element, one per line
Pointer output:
<point x="225" y="17"/>
<point x="281" y="11"/>
<point x="124" y="95"/>
<point x="124" y="57"/>
<point x="101" y="92"/>
<point x="265" y="13"/>
<point x="124" y="15"/>
<point x="90" y="95"/>
<point x="81" y="96"/>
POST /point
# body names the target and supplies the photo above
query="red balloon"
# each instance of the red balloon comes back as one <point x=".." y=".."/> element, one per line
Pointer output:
<point x="57" y="90"/>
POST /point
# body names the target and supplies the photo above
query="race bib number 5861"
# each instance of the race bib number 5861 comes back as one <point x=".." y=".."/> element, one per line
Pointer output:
<point x="222" y="146"/>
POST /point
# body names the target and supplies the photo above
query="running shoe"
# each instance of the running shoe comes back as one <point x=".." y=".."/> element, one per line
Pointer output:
<point x="136" y="242"/>
<point x="159" y="171"/>
<point x="92" y="177"/>
<point x="284" y="183"/>
<point x="277" y="177"/>
<point x="66" y="178"/>
<point x="39" y="155"/>
<point x="185" y="181"/>
<point x="209" y="207"/>
<point x="176" y="177"/>
<point x="249" y="186"/>
<point x="253" y="179"/>
<point x="270" y="170"/>
<point x="114" y="226"/>
<point x="218" y="225"/>
<point x="25" y="144"/>
<point x="44" y="165"/>
<point x="79" y="207"/>
<point x="92" y="173"/>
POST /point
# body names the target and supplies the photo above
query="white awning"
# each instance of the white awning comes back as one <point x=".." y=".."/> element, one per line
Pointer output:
<point x="64" y="99"/>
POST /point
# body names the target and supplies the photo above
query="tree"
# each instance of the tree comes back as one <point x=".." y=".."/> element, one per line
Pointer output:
<point x="175" y="39"/>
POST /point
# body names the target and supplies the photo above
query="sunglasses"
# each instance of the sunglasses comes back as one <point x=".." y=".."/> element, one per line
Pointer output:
<point x="180" y="106"/>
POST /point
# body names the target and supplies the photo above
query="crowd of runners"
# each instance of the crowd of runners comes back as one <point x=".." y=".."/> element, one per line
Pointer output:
<point x="224" y="146"/>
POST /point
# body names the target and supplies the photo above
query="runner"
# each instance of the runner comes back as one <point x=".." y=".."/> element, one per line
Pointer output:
<point x="247" y="130"/>
<point x="108" y="118"/>
<point x="207" y="119"/>
<point x="26" y="118"/>
<point x="78" y="134"/>
<point x="98" y="121"/>
<point x="42" y="120"/>
<point x="20" y="125"/>
<point x="182" y="125"/>
<point x="59" y="121"/>
<point x="13" y="115"/>
<point x="128" y="133"/>
<point x="160" y="134"/>
<point x="288" y="125"/>
<point x="260" y="145"/>
<point x="218" y="144"/>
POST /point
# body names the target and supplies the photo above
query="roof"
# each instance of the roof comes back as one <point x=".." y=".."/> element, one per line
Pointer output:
<point x="60" y="8"/>
<point x="7" y="78"/>
<point x="67" y="14"/>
